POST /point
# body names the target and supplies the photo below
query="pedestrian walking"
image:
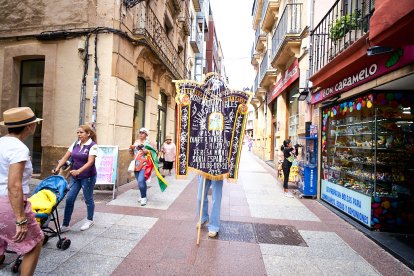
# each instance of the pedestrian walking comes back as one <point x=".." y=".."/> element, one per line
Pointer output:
<point x="139" y="152"/>
<point x="169" y="151"/>
<point x="250" y="144"/>
<point x="289" y="154"/>
<point x="19" y="230"/>
<point x="213" y="219"/>
<point x="82" y="174"/>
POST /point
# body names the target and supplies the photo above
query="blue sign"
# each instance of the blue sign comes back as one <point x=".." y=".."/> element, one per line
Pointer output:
<point x="354" y="204"/>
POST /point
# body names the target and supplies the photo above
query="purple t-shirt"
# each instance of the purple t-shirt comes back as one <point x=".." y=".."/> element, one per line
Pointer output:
<point x="80" y="158"/>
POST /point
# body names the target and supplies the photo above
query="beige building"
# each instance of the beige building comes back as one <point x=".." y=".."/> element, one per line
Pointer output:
<point x="280" y="58"/>
<point x="103" y="63"/>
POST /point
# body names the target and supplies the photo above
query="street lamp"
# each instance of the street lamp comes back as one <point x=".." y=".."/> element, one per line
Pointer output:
<point x="303" y="95"/>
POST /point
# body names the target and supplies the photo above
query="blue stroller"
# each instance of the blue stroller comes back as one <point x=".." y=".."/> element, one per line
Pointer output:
<point x="58" y="185"/>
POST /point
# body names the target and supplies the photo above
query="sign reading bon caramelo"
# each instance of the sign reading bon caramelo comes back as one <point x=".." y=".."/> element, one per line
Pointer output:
<point x="210" y="127"/>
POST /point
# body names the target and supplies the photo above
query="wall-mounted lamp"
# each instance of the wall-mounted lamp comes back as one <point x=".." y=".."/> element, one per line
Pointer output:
<point x="303" y="95"/>
<point x="378" y="50"/>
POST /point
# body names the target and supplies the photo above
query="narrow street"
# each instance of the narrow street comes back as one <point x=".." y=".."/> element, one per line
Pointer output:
<point x="263" y="233"/>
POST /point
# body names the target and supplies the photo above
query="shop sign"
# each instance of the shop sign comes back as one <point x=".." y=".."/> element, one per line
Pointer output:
<point x="350" y="202"/>
<point x="290" y="76"/>
<point x="384" y="65"/>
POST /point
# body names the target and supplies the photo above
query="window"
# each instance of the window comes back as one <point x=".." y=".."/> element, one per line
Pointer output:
<point x="139" y="107"/>
<point x="162" y="118"/>
<point x="31" y="95"/>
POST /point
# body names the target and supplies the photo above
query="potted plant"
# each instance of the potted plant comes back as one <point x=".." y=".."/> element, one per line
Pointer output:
<point x="344" y="25"/>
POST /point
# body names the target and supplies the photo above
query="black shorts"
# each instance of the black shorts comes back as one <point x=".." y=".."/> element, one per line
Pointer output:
<point x="168" y="165"/>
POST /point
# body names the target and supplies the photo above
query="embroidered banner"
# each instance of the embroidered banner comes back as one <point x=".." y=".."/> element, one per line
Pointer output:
<point x="210" y="127"/>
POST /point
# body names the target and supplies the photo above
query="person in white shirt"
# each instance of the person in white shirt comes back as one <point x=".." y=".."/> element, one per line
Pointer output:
<point x="19" y="230"/>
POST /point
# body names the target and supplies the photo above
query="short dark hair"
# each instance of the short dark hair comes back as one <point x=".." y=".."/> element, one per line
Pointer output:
<point x="16" y="130"/>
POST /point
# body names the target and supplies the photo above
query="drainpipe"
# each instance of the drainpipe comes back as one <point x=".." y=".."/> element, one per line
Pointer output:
<point x="95" y="86"/>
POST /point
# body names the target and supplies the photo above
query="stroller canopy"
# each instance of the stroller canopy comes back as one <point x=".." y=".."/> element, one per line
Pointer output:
<point x="55" y="183"/>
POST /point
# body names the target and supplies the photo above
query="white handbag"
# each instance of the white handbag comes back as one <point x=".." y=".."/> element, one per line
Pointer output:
<point x="131" y="166"/>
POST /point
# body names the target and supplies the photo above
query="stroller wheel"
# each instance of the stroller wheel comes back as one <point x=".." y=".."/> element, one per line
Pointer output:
<point x="46" y="239"/>
<point x="66" y="244"/>
<point x="59" y="244"/>
<point x="16" y="266"/>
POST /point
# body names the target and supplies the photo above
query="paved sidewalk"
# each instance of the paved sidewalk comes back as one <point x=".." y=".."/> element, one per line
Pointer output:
<point x="263" y="233"/>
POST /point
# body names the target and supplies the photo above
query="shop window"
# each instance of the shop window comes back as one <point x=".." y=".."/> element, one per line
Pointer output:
<point x="161" y="119"/>
<point x="31" y="95"/>
<point x="139" y="107"/>
<point x="367" y="159"/>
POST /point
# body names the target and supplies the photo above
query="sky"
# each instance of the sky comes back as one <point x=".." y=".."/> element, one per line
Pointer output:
<point x="234" y="29"/>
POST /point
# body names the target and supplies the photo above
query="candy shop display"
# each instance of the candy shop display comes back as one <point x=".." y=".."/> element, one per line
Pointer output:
<point x="368" y="147"/>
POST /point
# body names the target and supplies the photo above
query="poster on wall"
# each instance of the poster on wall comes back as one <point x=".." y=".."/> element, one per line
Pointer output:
<point x="350" y="202"/>
<point x="106" y="163"/>
<point x="210" y="127"/>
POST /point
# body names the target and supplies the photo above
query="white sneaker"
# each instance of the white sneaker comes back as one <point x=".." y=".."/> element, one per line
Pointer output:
<point x="288" y="194"/>
<point x="88" y="224"/>
<point x="64" y="229"/>
<point x="143" y="201"/>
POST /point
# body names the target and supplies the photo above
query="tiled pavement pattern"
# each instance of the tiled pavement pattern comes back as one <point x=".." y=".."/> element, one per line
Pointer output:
<point x="290" y="236"/>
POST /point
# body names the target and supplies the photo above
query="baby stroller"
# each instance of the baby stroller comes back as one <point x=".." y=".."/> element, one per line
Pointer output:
<point x="58" y="186"/>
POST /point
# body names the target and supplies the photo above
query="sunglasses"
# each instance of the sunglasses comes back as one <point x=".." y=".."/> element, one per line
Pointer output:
<point x="142" y="132"/>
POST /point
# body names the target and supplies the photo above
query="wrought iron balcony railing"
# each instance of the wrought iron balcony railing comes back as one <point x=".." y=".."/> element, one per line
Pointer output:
<point x="256" y="83"/>
<point x="196" y="39"/>
<point x="290" y="23"/>
<point x="259" y="34"/>
<point x="344" y="24"/>
<point x="264" y="66"/>
<point x="155" y="35"/>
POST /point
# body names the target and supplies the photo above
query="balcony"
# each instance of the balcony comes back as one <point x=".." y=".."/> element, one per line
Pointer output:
<point x="155" y="36"/>
<point x="255" y="56"/>
<point x="185" y="20"/>
<point x="257" y="13"/>
<point x="260" y="40"/>
<point x="287" y="37"/>
<point x="256" y="83"/>
<point x="267" y="73"/>
<point x="270" y="11"/>
<point x="197" y="6"/>
<point x="342" y="26"/>
<point x="196" y="40"/>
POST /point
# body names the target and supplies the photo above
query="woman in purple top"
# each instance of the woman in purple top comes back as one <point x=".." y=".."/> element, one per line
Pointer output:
<point x="82" y="175"/>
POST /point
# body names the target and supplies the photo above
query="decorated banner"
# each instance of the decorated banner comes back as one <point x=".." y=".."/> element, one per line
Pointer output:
<point x="210" y="127"/>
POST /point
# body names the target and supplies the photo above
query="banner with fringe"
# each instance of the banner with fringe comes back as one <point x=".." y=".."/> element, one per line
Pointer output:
<point x="210" y="127"/>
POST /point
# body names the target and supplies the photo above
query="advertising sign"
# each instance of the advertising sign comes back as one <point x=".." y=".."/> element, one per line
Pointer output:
<point x="210" y="129"/>
<point x="354" y="204"/>
<point x="387" y="63"/>
<point x="106" y="164"/>
<point x="291" y="74"/>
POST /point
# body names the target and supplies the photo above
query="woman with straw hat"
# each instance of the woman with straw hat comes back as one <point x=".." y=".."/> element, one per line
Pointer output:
<point x="19" y="229"/>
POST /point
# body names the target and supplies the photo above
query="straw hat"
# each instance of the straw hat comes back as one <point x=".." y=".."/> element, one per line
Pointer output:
<point x="18" y="117"/>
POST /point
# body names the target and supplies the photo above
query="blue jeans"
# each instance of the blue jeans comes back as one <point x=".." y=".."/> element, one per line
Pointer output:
<point x="217" y="188"/>
<point x="87" y="185"/>
<point x="142" y="185"/>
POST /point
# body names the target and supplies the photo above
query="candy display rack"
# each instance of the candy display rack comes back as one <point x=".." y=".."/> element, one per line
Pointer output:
<point x="368" y="151"/>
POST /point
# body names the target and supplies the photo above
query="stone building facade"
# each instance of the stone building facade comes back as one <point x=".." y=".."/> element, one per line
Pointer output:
<point x="109" y="63"/>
